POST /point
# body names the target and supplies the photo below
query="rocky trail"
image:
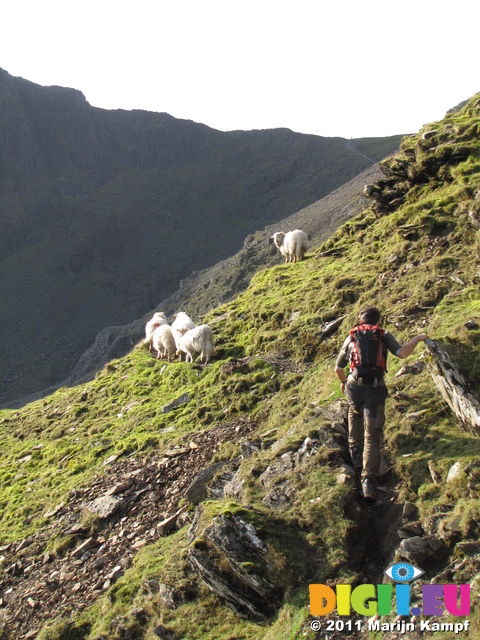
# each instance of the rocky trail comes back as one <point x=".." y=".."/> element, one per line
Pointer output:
<point x="132" y="505"/>
<point x="99" y="530"/>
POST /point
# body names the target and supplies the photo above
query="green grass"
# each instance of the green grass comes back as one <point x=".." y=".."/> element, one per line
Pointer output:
<point x="420" y="265"/>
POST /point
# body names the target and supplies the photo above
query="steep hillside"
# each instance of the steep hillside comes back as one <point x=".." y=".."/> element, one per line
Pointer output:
<point x="171" y="500"/>
<point x="203" y="291"/>
<point x="104" y="212"/>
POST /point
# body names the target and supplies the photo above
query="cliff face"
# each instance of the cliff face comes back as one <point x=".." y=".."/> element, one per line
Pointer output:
<point x="104" y="212"/>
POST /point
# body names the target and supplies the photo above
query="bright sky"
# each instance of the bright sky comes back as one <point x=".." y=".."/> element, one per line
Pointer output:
<point x="349" y="68"/>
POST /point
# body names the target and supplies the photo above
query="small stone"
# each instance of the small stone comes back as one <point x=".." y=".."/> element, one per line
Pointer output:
<point x="167" y="525"/>
<point x="183" y="399"/>
<point x="468" y="546"/>
<point x="23" y="544"/>
<point x="115" y="574"/>
<point x="454" y="471"/>
<point x="139" y="544"/>
<point x="98" y="563"/>
<point x="411" y="369"/>
<point x="90" y="543"/>
<point x="120" y="487"/>
<point x="167" y="594"/>
<point x="410" y="530"/>
<point x="173" y="453"/>
<point x="54" y="511"/>
<point x="105" y="506"/>
<point x="347" y="469"/>
<point x="417" y="549"/>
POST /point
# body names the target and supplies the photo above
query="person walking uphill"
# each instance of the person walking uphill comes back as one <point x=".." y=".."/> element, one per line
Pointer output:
<point x="366" y="350"/>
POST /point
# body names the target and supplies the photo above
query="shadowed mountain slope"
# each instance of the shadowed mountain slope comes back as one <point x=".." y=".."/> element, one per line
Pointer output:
<point x="203" y="291"/>
<point x="103" y="213"/>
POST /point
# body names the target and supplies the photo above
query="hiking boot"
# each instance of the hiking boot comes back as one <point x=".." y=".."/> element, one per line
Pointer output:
<point x="368" y="488"/>
<point x="356" y="454"/>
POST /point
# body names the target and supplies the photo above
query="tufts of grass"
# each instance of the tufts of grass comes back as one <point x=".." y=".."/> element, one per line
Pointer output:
<point x="419" y="264"/>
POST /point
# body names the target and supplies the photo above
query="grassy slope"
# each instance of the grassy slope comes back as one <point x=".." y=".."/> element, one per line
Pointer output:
<point x="104" y="212"/>
<point x="419" y="264"/>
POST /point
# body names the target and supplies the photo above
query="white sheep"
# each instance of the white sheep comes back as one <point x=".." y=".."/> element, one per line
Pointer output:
<point x="292" y="245"/>
<point x="180" y="326"/>
<point x="163" y="341"/>
<point x="158" y="319"/>
<point x="198" y="340"/>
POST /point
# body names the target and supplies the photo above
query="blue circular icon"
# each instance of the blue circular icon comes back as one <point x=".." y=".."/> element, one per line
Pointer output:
<point x="403" y="572"/>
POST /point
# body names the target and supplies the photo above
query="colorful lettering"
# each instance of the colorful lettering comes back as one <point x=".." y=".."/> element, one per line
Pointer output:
<point x="360" y="596"/>
<point x="402" y="592"/>
<point x="368" y="600"/>
<point x="450" y="596"/>
<point x="432" y="599"/>
<point x="322" y="599"/>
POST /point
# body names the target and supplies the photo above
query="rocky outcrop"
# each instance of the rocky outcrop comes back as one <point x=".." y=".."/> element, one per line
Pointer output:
<point x="430" y="159"/>
<point x="230" y="558"/>
<point x="453" y="387"/>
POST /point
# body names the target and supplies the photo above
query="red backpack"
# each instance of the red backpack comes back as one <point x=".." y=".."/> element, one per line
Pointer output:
<point x="368" y="358"/>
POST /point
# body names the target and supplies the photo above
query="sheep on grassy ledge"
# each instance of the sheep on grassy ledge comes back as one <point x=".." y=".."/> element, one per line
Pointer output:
<point x="198" y="340"/>
<point x="180" y="326"/>
<point x="292" y="245"/>
<point x="163" y="342"/>
<point x="158" y="319"/>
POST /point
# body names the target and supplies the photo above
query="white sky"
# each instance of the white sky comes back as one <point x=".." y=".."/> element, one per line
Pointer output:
<point x="349" y="68"/>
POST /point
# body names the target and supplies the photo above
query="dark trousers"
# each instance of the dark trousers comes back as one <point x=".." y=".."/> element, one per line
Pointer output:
<point x="366" y="419"/>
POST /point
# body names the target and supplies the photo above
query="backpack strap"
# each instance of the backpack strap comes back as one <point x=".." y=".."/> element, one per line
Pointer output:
<point x="355" y="359"/>
<point x="355" y="356"/>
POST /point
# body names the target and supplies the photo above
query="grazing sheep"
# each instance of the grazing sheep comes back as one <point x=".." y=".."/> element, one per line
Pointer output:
<point x="198" y="340"/>
<point x="163" y="341"/>
<point x="292" y="245"/>
<point x="181" y="325"/>
<point x="158" y="318"/>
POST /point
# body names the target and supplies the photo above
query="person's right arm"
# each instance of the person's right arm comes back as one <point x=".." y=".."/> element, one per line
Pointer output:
<point x="409" y="347"/>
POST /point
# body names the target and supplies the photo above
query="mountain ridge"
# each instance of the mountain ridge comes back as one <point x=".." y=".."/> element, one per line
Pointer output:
<point x="103" y="213"/>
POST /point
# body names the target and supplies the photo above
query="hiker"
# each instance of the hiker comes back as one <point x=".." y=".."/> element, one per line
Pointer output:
<point x="365" y="350"/>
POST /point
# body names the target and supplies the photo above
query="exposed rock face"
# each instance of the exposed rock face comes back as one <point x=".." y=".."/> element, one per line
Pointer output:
<point x="430" y="160"/>
<point x="417" y="549"/>
<point x="234" y="545"/>
<point x="453" y="387"/>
